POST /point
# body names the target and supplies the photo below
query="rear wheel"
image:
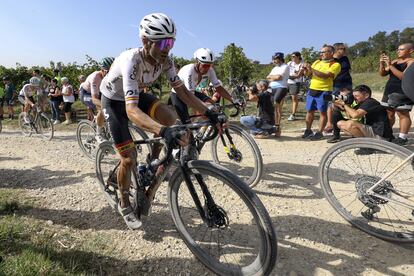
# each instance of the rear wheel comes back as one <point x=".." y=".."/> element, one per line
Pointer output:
<point x="244" y="159"/>
<point x="237" y="238"/>
<point x="350" y="168"/>
<point x="25" y="127"/>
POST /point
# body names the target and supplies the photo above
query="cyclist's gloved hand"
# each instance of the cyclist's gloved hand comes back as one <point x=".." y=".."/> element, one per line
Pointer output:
<point x="212" y="116"/>
<point x="173" y="137"/>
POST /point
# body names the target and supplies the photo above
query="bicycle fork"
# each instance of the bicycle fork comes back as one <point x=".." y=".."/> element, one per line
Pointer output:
<point x="233" y="153"/>
<point x="212" y="214"/>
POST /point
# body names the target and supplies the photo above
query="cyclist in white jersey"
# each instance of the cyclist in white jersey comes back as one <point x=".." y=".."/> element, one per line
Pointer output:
<point x="26" y="95"/>
<point x="196" y="76"/>
<point x="91" y="96"/>
<point x="122" y="101"/>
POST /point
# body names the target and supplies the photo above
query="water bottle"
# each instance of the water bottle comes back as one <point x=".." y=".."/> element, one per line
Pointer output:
<point x="141" y="168"/>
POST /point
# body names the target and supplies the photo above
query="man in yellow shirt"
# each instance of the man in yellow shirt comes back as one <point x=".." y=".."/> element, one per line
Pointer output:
<point x="323" y="72"/>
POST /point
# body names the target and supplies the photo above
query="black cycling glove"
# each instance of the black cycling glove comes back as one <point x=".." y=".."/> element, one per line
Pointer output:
<point x="212" y="116"/>
<point x="169" y="135"/>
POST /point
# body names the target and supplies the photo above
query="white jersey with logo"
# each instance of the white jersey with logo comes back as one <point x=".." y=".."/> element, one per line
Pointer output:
<point x="130" y="74"/>
<point x="189" y="76"/>
<point x="29" y="90"/>
<point x="92" y="83"/>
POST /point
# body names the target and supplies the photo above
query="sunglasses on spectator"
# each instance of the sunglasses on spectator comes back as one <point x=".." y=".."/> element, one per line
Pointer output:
<point x="401" y="49"/>
<point x="341" y="48"/>
<point x="164" y="43"/>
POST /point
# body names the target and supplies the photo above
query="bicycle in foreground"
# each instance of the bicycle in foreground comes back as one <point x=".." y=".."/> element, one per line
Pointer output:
<point x="370" y="183"/>
<point x="36" y="123"/>
<point x="234" y="149"/>
<point x="219" y="217"/>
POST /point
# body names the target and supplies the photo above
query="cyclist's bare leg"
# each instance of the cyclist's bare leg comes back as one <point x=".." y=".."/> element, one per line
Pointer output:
<point x="90" y="114"/>
<point x="128" y="162"/>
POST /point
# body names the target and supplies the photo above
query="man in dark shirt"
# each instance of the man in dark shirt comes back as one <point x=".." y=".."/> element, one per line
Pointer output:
<point x="261" y="125"/>
<point x="374" y="121"/>
<point x="9" y="97"/>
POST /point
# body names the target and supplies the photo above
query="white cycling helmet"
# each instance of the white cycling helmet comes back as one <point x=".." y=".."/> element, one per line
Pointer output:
<point x="204" y="55"/>
<point x="35" y="81"/>
<point x="157" y="26"/>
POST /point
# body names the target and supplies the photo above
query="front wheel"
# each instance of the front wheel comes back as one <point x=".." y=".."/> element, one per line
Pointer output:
<point x="25" y="127"/>
<point x="237" y="238"/>
<point x="45" y="127"/>
<point x="242" y="157"/>
<point x="85" y="134"/>
<point x="350" y="168"/>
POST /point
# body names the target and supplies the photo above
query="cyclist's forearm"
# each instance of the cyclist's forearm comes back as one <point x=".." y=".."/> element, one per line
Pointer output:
<point x="223" y="92"/>
<point x="189" y="99"/>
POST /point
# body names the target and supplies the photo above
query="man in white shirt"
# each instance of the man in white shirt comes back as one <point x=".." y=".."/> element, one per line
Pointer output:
<point x="278" y="78"/>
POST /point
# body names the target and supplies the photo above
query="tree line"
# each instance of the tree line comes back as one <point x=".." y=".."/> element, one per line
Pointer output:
<point x="232" y="66"/>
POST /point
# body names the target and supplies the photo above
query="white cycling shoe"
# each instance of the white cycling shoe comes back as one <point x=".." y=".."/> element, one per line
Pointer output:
<point x="130" y="218"/>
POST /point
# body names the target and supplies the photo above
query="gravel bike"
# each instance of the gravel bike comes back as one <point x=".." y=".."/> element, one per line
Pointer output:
<point x="370" y="183"/>
<point x="219" y="217"/>
<point x="38" y="123"/>
<point x="88" y="139"/>
<point x="234" y="149"/>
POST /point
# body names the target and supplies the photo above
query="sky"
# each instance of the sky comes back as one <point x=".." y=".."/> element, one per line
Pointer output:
<point x="36" y="32"/>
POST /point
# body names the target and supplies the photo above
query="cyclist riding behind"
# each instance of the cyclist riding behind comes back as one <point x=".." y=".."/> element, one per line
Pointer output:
<point x="122" y="99"/>
<point x="197" y="76"/>
<point x="91" y="96"/>
<point x="26" y="96"/>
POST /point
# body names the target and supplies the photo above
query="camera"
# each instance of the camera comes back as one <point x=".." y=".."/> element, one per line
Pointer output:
<point x="332" y="98"/>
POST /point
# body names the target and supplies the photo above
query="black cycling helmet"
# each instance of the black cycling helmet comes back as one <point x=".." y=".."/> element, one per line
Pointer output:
<point x="106" y="63"/>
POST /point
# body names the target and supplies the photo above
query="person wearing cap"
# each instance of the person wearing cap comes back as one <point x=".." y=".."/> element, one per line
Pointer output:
<point x="9" y="96"/>
<point x="278" y="78"/>
<point x="295" y="81"/>
<point x="323" y="72"/>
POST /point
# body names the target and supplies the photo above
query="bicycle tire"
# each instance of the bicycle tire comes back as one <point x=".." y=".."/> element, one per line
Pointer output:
<point x="345" y="163"/>
<point x="25" y="128"/>
<point x="240" y="197"/>
<point x="44" y="123"/>
<point x="89" y="145"/>
<point x="105" y="161"/>
<point x="250" y="175"/>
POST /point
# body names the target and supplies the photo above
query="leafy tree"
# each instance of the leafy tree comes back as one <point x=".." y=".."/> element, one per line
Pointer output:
<point x="233" y="65"/>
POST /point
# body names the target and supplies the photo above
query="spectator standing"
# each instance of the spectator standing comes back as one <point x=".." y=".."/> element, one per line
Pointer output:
<point x="323" y="71"/>
<point x="278" y="78"/>
<point x="2" y="100"/>
<point x="371" y="117"/>
<point x="261" y="126"/>
<point x="393" y="87"/>
<point x="342" y="81"/>
<point x="10" y="96"/>
<point x="55" y="100"/>
<point x="295" y="81"/>
<point x="68" y="99"/>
